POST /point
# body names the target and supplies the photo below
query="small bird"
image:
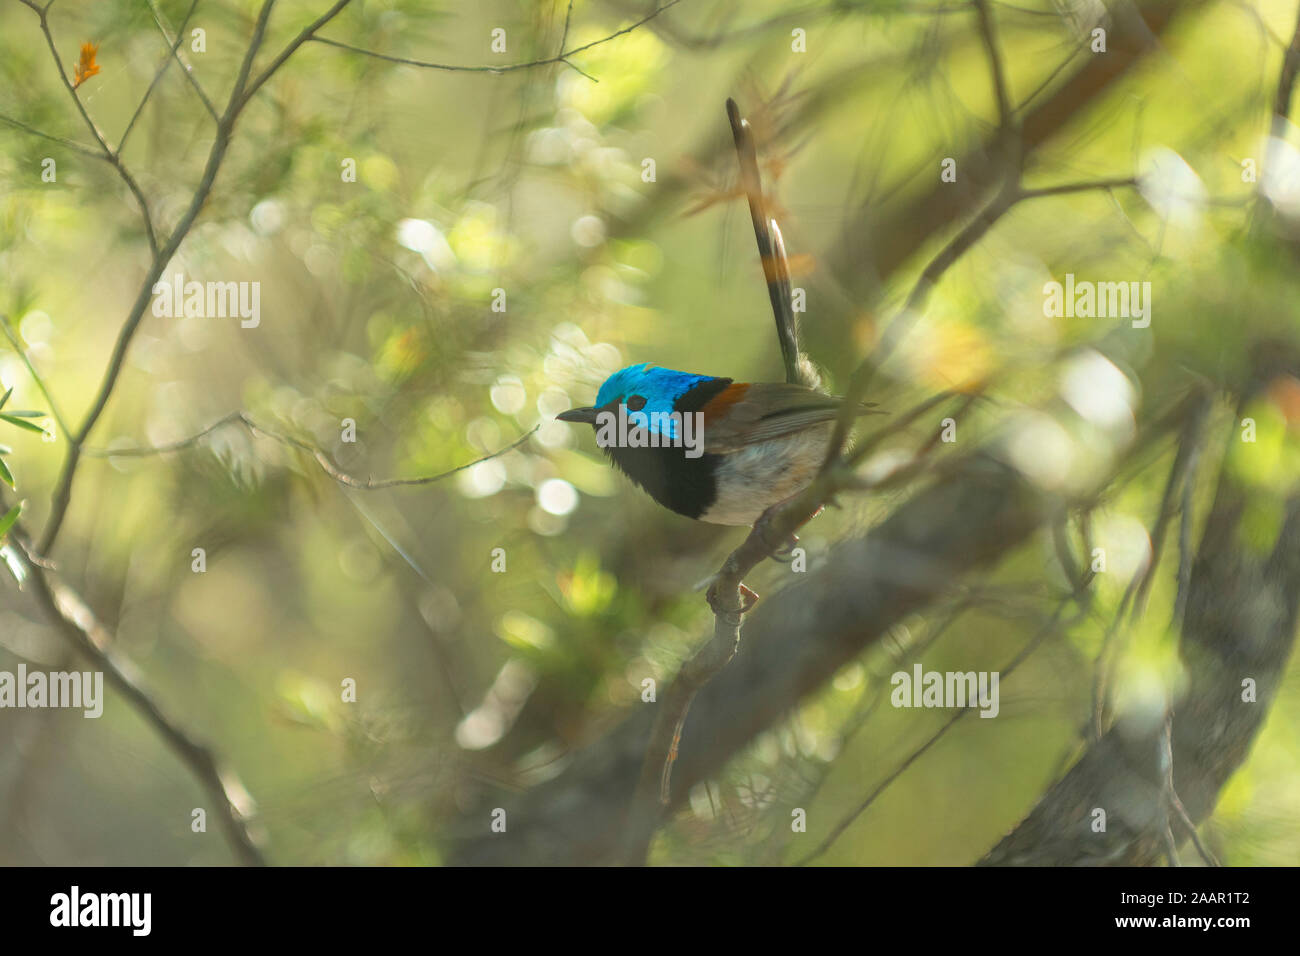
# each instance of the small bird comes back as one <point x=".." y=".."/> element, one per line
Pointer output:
<point x="751" y="445"/>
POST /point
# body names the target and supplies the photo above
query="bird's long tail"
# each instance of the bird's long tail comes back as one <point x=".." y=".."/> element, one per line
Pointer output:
<point x="771" y="251"/>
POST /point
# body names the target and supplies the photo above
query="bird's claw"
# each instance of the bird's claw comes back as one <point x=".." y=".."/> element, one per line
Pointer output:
<point x="778" y="549"/>
<point x="748" y="599"/>
<point x="785" y="553"/>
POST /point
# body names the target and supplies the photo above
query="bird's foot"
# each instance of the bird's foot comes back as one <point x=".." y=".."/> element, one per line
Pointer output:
<point x="785" y="553"/>
<point x="783" y="548"/>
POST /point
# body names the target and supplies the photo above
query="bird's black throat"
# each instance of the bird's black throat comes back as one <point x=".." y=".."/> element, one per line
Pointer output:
<point x="685" y="485"/>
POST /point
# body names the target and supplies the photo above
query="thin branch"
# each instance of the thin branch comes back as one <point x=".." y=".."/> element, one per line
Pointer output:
<point x="84" y="632"/>
<point x="902" y="322"/>
<point x="1053" y="626"/>
<point x="157" y="77"/>
<point x="1007" y="197"/>
<point x="70" y="144"/>
<point x="185" y="67"/>
<point x="308" y="33"/>
<point x="568" y="16"/>
<point x="816" y="11"/>
<point x="1287" y="79"/>
<point x="1122" y="182"/>
<point x="323" y="460"/>
<point x="1133" y="601"/>
<point x="111" y="157"/>
<point x="562" y="57"/>
<point x="237" y="98"/>
<point x="896" y="425"/>
<point x="1173" y="803"/>
<point x="12" y="336"/>
<point x="988" y="34"/>
<point x="564" y="39"/>
<point x="62" y="496"/>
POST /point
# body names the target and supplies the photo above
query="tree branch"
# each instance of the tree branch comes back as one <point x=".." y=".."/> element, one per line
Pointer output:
<point x="876" y="243"/>
<point x="1287" y="78"/>
<point x="561" y="57"/>
<point x="323" y="460"/>
<point x="62" y="495"/>
<point x="158" y="75"/>
<point x="185" y="67"/>
<point x="112" y="158"/>
<point x="70" y="144"/>
<point x="1051" y="628"/>
<point x="1240" y="622"/>
<point x="308" y="33"/>
<point x="79" y="627"/>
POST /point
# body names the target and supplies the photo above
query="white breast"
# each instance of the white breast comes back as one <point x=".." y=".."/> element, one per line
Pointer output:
<point x="758" y="476"/>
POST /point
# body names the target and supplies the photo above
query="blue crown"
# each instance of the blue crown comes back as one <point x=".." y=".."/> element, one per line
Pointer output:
<point x="660" y="387"/>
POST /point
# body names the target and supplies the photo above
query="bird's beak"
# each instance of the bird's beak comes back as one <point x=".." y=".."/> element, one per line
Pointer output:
<point x="585" y="416"/>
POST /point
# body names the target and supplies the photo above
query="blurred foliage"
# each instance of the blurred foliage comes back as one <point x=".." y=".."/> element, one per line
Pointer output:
<point x="376" y="302"/>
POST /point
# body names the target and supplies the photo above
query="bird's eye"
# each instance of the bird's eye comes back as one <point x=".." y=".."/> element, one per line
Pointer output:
<point x="636" y="403"/>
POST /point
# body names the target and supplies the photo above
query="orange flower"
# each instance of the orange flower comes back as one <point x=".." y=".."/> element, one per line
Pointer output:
<point x="86" y="66"/>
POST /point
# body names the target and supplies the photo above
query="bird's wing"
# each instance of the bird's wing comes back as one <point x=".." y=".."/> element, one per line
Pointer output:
<point x="746" y="414"/>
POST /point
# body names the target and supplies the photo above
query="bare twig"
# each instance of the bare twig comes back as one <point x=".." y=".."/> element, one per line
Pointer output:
<point x="989" y="37"/>
<point x="1053" y="626"/>
<point x="1178" y="487"/>
<point x="70" y="144"/>
<point x="78" y="625"/>
<point x="1287" y="78"/>
<point x="1007" y="197"/>
<point x="112" y="158"/>
<point x="561" y="57"/>
<point x="1172" y="803"/>
<point x="308" y="33"/>
<point x="323" y="460"/>
<point x="185" y="67"/>
<point x="62" y="495"/>
<point x="158" y="74"/>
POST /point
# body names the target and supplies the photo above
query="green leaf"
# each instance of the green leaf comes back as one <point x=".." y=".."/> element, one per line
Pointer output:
<point x="6" y="398"/>
<point x="10" y="557"/>
<point x="6" y="475"/>
<point x="22" y="423"/>
<point x="6" y="450"/>
<point x="8" y="520"/>
<point x="27" y="413"/>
